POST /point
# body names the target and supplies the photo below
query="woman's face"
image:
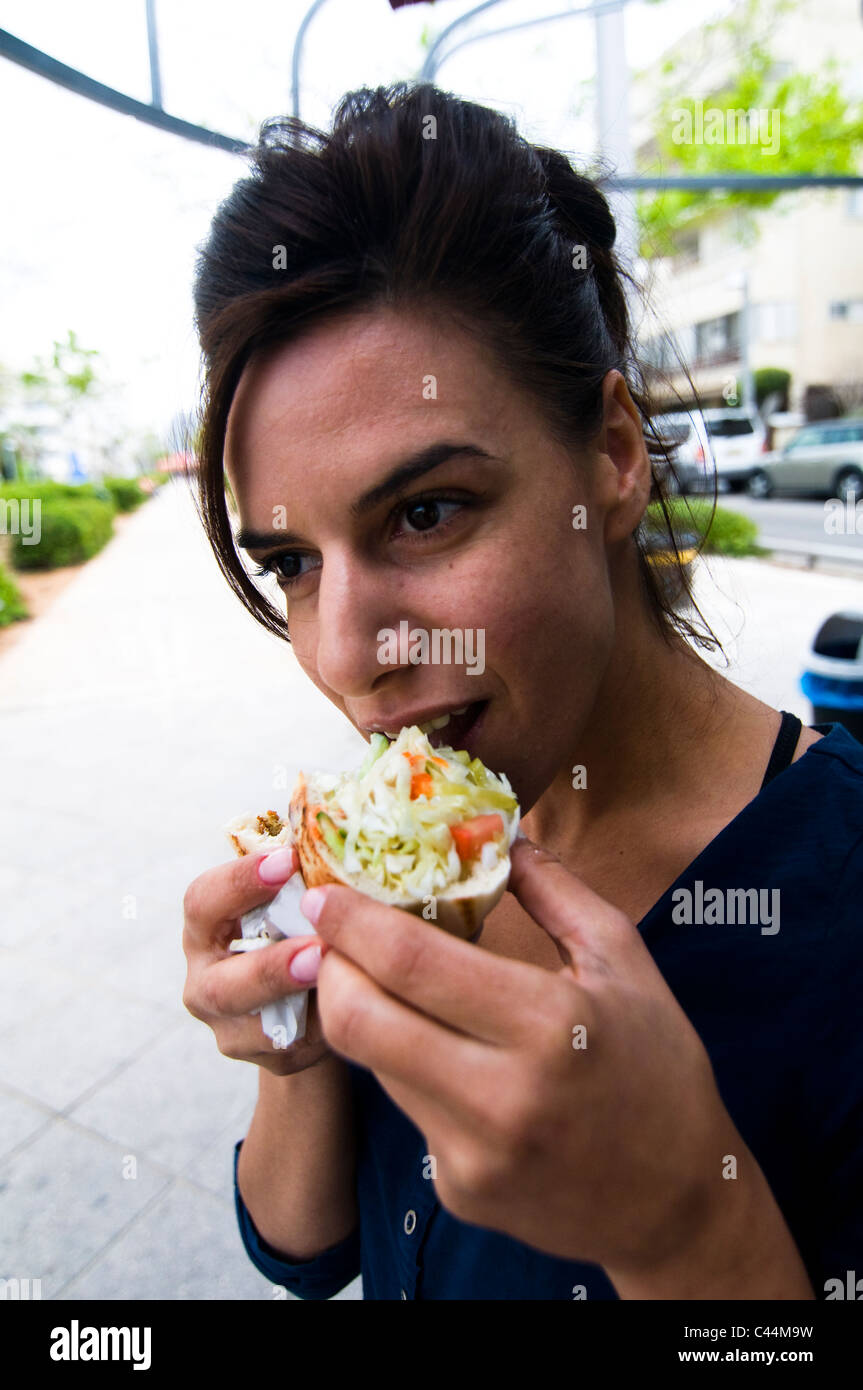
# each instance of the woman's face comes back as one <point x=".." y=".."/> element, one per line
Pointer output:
<point x="393" y="479"/>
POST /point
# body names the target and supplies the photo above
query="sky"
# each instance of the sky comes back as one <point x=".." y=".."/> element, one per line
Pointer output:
<point x="102" y="215"/>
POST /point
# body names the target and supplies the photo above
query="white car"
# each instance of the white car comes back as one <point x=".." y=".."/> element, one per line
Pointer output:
<point x="731" y="440"/>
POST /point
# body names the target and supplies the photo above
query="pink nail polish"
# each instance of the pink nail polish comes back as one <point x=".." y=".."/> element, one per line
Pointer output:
<point x="306" y="964"/>
<point x="312" y="904"/>
<point x="278" y="866"/>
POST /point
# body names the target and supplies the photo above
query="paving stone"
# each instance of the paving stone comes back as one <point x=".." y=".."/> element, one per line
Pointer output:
<point x="187" y="1246"/>
<point x="78" y="1042"/>
<point x="64" y="1197"/>
<point x="19" y="1120"/>
<point x="174" y="1100"/>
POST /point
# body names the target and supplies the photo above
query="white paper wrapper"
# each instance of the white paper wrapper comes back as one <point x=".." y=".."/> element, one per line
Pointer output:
<point x="285" y="1021"/>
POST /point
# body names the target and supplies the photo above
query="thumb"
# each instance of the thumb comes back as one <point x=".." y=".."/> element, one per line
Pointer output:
<point x="589" y="931"/>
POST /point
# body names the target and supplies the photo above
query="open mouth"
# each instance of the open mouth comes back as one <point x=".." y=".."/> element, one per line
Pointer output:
<point x="458" y="729"/>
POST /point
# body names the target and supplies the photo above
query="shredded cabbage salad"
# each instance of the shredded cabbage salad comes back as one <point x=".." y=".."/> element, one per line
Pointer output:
<point x="417" y="819"/>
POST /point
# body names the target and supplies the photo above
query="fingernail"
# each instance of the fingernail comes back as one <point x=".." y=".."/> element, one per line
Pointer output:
<point x="278" y="866"/>
<point x="312" y="904"/>
<point x="305" y="965"/>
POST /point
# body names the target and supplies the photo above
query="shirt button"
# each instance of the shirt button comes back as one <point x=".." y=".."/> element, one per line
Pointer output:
<point x="410" y="1222"/>
<point x="404" y="1295"/>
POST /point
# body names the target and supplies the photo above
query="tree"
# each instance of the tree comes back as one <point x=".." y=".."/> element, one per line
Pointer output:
<point x="52" y="390"/>
<point x="820" y="129"/>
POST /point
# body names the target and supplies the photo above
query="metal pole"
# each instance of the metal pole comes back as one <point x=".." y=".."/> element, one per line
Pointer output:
<point x="153" y="44"/>
<point x="297" y="55"/>
<point x="600" y="7"/>
<point x="431" y="64"/>
<point x="748" y="381"/>
<point x="612" y="119"/>
<point x="34" y="60"/>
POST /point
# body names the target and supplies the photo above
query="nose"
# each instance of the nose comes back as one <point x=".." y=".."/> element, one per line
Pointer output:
<point x="356" y="599"/>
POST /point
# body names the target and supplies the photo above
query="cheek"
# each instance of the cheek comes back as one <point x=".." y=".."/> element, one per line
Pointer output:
<point x="539" y="589"/>
<point x="304" y="645"/>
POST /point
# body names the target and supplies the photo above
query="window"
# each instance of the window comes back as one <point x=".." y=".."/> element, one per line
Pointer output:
<point x="850" y="310"/>
<point x="855" y="202"/>
<point x="774" y="322"/>
<point x="686" y="250"/>
<point x="731" y="427"/>
<point x="845" y="434"/>
<point x="805" y="439"/>
<point x="666" y="351"/>
<point x="718" y="340"/>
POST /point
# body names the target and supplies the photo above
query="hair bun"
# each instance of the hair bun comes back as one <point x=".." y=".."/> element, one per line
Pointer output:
<point x="577" y="200"/>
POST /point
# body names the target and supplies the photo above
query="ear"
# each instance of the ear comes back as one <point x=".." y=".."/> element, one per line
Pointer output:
<point x="621" y="441"/>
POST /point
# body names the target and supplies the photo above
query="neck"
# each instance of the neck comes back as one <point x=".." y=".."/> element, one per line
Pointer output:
<point x="663" y="728"/>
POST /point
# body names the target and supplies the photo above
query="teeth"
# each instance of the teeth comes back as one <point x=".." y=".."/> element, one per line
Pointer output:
<point x="432" y="724"/>
<point x="463" y="710"/>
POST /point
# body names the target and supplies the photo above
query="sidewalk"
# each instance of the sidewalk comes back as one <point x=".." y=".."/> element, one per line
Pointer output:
<point x="142" y="712"/>
<point x="136" y="717"/>
<point x="766" y="616"/>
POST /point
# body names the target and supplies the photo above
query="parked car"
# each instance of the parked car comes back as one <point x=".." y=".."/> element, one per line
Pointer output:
<point x="824" y="459"/>
<point x="730" y="439"/>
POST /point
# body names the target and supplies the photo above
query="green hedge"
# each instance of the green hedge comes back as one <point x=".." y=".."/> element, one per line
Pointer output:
<point x="12" y="605"/>
<point x="46" y="487"/>
<point x="729" y="533"/>
<point x="72" y="529"/>
<point x="125" y="492"/>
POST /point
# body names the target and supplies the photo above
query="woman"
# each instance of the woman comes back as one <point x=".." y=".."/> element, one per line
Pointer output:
<point x="421" y="387"/>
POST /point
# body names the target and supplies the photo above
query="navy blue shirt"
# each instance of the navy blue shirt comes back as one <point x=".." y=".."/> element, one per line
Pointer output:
<point x="779" y="1012"/>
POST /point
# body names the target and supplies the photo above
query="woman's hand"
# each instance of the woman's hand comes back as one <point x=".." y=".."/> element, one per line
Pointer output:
<point x="223" y="988"/>
<point x="574" y="1110"/>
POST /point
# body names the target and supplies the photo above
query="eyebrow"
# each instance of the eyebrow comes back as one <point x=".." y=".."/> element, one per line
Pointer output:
<point x="410" y="468"/>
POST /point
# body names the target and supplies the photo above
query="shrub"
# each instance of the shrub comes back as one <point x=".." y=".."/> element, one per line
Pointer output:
<point x="12" y="605"/>
<point x="73" y="529"/>
<point x="46" y="487"/>
<point x="729" y="533"/>
<point x="769" y="380"/>
<point x="126" y="493"/>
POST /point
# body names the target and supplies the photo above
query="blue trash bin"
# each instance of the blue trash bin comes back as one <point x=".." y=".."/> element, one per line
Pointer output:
<point x="833" y="678"/>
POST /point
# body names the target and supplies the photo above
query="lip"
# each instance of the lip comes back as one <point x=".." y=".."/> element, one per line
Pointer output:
<point x="405" y="718"/>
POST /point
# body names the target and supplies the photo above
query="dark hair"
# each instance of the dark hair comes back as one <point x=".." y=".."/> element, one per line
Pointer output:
<point x="420" y="199"/>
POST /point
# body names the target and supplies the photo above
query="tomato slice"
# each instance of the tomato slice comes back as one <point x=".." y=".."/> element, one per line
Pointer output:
<point x="421" y="785"/>
<point x="471" y="835"/>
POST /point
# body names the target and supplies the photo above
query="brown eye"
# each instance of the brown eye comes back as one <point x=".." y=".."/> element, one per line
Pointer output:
<point x="288" y="566"/>
<point x="422" y="516"/>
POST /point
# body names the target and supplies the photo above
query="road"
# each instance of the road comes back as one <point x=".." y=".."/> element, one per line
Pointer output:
<point x="794" y="519"/>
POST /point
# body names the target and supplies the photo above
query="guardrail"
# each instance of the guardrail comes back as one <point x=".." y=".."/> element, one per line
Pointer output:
<point x="813" y="550"/>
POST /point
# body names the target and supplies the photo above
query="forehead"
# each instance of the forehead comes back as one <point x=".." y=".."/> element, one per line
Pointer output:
<point x="383" y="371"/>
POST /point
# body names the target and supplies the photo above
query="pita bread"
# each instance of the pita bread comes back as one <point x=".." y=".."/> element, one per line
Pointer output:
<point x="459" y="909"/>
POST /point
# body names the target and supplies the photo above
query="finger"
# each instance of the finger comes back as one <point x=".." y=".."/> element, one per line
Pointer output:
<point x="364" y="1023"/>
<point x="248" y="980"/>
<point x="590" y="933"/>
<point x="483" y="995"/>
<point x="438" y="1125"/>
<point x="217" y="898"/>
